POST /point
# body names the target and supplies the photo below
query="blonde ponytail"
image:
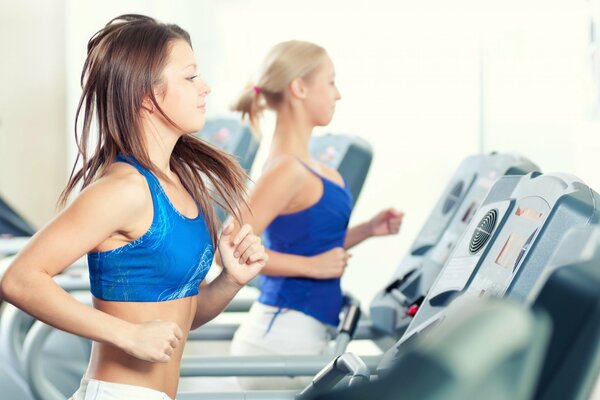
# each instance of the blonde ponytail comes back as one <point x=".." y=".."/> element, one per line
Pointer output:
<point x="249" y="103"/>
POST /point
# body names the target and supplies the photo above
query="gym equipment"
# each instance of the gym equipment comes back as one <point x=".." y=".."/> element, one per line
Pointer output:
<point x="509" y="242"/>
<point x="571" y="297"/>
<point x="566" y="295"/>
<point x="14" y="230"/>
<point x="233" y="137"/>
<point x="393" y="308"/>
<point x="11" y="223"/>
<point x="491" y="350"/>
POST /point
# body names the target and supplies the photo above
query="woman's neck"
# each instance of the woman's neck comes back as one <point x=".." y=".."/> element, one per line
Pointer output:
<point x="292" y="136"/>
<point x="160" y="143"/>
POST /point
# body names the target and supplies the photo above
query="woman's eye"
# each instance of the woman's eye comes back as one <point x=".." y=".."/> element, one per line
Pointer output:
<point x="191" y="78"/>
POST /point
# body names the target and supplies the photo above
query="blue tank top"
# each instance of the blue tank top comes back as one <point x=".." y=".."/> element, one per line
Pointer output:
<point x="309" y="232"/>
<point x="167" y="262"/>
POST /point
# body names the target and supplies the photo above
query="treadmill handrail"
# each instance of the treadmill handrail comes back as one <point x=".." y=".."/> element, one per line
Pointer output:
<point x="334" y="372"/>
<point x="278" y="365"/>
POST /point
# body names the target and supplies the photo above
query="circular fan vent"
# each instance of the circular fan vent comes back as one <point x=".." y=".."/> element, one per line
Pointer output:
<point x="483" y="232"/>
<point x="452" y="198"/>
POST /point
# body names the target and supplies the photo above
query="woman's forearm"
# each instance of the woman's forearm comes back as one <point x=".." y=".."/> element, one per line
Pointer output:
<point x="41" y="297"/>
<point x="213" y="298"/>
<point x="282" y="264"/>
<point x="326" y="265"/>
<point x="357" y="234"/>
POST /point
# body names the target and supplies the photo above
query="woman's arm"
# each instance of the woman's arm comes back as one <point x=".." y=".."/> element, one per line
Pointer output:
<point x="213" y="298"/>
<point x="386" y="222"/>
<point x="330" y="264"/>
<point x="357" y="234"/>
<point x="112" y="204"/>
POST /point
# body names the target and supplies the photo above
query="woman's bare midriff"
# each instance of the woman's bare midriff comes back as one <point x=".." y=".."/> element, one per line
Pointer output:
<point x="111" y="364"/>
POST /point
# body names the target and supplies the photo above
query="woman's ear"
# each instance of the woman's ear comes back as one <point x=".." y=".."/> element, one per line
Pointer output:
<point x="298" y="88"/>
<point x="148" y="105"/>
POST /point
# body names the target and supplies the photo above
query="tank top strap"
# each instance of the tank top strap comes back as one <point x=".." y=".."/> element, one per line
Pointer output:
<point x="322" y="177"/>
<point x="308" y="167"/>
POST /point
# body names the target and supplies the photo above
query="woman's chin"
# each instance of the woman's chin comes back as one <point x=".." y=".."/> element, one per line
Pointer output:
<point x="196" y="127"/>
<point x="325" y="121"/>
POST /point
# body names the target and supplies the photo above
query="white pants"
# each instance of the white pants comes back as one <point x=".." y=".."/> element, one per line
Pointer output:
<point x="269" y="330"/>
<point x="92" y="389"/>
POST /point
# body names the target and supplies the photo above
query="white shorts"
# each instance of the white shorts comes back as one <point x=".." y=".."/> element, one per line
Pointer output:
<point x="269" y="330"/>
<point x="93" y="389"/>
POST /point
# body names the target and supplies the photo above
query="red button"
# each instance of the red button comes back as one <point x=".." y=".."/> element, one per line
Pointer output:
<point x="412" y="310"/>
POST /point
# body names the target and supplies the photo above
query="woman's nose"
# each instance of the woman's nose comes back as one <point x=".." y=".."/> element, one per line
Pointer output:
<point x="203" y="88"/>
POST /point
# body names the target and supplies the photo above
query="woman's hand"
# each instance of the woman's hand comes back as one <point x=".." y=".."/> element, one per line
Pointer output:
<point x="386" y="222"/>
<point x="153" y="341"/>
<point x="330" y="264"/>
<point x="242" y="256"/>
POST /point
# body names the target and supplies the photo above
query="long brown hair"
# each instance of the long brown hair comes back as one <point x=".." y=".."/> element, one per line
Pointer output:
<point x="124" y="64"/>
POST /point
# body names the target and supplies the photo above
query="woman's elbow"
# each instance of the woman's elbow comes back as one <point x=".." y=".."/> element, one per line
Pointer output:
<point x="6" y="288"/>
<point x="10" y="286"/>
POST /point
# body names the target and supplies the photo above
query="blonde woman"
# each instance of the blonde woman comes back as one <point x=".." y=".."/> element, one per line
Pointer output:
<point x="302" y="207"/>
<point x="144" y="217"/>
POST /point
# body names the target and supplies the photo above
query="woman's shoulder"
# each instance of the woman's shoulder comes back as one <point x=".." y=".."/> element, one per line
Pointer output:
<point x="115" y="202"/>
<point x="285" y="164"/>
<point x="125" y="179"/>
<point x="122" y="186"/>
<point x="282" y="175"/>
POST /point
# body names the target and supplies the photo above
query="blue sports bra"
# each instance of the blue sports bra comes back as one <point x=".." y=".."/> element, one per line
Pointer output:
<point x="309" y="232"/>
<point x="167" y="262"/>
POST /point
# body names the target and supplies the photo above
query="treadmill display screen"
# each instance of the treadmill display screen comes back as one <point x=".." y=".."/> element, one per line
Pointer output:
<point x="529" y="213"/>
<point x="517" y="244"/>
<point x="510" y="251"/>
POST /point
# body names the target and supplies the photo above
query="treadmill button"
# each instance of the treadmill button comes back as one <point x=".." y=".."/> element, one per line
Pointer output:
<point x="412" y="310"/>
